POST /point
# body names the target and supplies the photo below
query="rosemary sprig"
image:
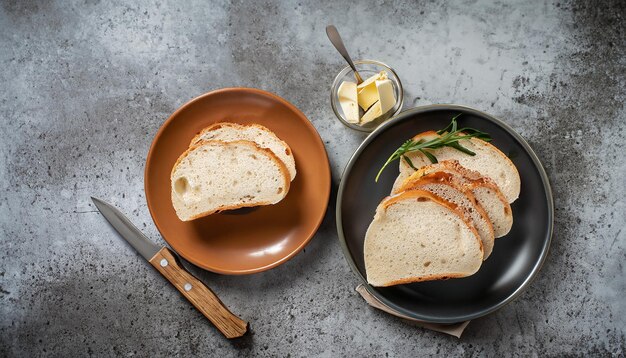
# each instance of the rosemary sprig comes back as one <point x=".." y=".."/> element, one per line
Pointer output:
<point x="448" y="137"/>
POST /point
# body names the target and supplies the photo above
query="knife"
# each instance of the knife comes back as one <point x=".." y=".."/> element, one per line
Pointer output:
<point x="167" y="263"/>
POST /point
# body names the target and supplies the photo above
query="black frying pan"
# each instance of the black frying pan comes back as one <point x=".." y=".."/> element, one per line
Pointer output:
<point x="516" y="258"/>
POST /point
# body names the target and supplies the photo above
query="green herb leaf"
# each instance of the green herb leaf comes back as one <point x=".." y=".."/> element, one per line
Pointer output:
<point x="448" y="137"/>
<point x="409" y="162"/>
<point x="449" y="127"/>
<point x="461" y="148"/>
<point x="428" y="155"/>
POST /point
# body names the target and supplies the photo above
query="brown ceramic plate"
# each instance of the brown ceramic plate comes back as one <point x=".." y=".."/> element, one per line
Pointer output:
<point x="246" y="240"/>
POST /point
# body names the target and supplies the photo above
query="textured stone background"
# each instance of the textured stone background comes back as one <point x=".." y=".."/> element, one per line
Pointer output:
<point x="85" y="86"/>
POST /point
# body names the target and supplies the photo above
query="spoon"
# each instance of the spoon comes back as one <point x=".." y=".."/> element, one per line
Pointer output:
<point x="335" y="39"/>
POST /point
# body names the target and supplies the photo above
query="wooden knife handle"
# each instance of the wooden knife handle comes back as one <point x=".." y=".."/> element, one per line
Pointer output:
<point x="199" y="295"/>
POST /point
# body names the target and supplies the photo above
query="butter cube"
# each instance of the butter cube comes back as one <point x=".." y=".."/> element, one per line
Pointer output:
<point x="374" y="112"/>
<point x="386" y="95"/>
<point x="347" y="94"/>
<point x="367" y="91"/>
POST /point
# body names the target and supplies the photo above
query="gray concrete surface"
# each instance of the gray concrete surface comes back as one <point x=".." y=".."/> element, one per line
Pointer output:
<point x="85" y="86"/>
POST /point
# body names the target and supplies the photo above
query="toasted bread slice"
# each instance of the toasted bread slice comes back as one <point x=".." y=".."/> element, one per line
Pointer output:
<point x="213" y="176"/>
<point x="484" y="189"/>
<point x="488" y="161"/>
<point x="263" y="137"/>
<point x="448" y="187"/>
<point x="418" y="236"/>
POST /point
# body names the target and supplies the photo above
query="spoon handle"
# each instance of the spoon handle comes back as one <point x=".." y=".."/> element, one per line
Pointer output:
<point x="335" y="39"/>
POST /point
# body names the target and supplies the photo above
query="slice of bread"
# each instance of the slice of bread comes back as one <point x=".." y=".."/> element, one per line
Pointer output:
<point x="484" y="189"/>
<point x="488" y="161"/>
<point x="417" y="236"/>
<point x="213" y="176"/>
<point x="448" y="187"/>
<point x="263" y="137"/>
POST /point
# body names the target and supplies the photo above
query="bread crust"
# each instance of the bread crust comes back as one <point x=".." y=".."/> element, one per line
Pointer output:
<point x="474" y="141"/>
<point x="474" y="177"/>
<point x="423" y="194"/>
<point x="419" y="193"/>
<point x="423" y="279"/>
<point x="253" y="145"/>
<point x="474" y="180"/>
<point x="219" y="125"/>
<point x="424" y="134"/>
<point x="449" y="179"/>
<point x="477" y="142"/>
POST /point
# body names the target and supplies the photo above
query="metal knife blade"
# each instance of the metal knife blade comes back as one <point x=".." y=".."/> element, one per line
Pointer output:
<point x="127" y="230"/>
<point x="165" y="261"/>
